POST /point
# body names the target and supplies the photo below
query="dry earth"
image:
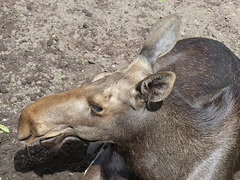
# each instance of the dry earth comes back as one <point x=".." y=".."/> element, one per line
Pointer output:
<point x="50" y="46"/>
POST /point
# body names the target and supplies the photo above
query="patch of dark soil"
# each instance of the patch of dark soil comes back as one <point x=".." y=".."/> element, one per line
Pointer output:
<point x="71" y="157"/>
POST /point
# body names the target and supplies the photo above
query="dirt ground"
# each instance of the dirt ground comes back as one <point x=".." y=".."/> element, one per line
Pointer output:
<point x="50" y="46"/>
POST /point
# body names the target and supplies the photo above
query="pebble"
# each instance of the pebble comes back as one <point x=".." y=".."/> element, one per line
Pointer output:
<point x="39" y="83"/>
<point x="45" y="84"/>
<point x="40" y="95"/>
<point x="43" y="91"/>
<point x="20" y="98"/>
<point x="1" y="116"/>
<point x="37" y="77"/>
<point x="29" y="79"/>
<point x="50" y="42"/>
<point x="30" y="7"/>
<point x="87" y="13"/>
<point x="13" y="99"/>
<point x="33" y="97"/>
<point x="24" y="82"/>
<point x="3" y="89"/>
<point x="3" y="47"/>
<point x="19" y="82"/>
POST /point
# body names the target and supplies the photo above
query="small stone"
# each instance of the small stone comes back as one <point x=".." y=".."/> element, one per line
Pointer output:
<point x="4" y="116"/>
<point x="19" y="82"/>
<point x="40" y="94"/>
<point x="50" y="42"/>
<point x="3" y="89"/>
<point x="24" y="82"/>
<point x="1" y="116"/>
<point x="87" y="13"/>
<point x="33" y="97"/>
<point x="39" y="83"/>
<point x="50" y="80"/>
<point x="30" y="7"/>
<point x="85" y="26"/>
<point x="51" y="76"/>
<point x="36" y="78"/>
<point x="45" y="84"/>
<point x="2" y="47"/>
<point x="13" y="100"/>
<point x="29" y="80"/>
<point x="20" y="98"/>
<point x="3" y="57"/>
<point x="43" y="91"/>
<point x="1" y="76"/>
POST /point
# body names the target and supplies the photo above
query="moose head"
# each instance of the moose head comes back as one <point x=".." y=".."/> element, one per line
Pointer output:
<point x="110" y="108"/>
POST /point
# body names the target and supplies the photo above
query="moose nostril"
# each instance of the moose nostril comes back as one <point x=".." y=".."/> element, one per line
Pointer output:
<point x="25" y="137"/>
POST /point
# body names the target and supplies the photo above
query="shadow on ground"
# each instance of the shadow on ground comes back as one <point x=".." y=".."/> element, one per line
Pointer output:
<point x="71" y="157"/>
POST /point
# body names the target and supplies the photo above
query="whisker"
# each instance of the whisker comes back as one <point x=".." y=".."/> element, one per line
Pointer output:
<point x="29" y="155"/>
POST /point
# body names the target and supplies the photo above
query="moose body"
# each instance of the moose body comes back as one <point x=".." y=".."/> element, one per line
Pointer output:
<point x="173" y="117"/>
<point x="195" y="133"/>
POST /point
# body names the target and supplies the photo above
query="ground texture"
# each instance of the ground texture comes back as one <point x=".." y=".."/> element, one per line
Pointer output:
<point x="50" y="46"/>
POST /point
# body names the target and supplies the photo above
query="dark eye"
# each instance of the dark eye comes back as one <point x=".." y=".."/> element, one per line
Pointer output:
<point x="95" y="109"/>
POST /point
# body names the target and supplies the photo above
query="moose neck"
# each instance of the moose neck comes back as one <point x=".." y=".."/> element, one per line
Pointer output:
<point x="160" y="141"/>
<point x="169" y="136"/>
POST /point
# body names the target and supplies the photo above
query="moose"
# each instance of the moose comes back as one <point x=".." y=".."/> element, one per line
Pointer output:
<point x="173" y="113"/>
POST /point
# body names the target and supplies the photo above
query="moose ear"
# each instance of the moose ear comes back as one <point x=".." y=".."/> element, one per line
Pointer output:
<point x="156" y="87"/>
<point x="161" y="39"/>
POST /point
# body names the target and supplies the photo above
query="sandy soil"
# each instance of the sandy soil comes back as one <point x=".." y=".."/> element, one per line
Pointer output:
<point x="50" y="46"/>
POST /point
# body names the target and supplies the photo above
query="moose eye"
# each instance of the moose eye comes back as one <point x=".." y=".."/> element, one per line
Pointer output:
<point x="95" y="109"/>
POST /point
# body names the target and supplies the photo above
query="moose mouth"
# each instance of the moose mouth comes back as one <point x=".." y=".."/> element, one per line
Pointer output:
<point x="52" y="139"/>
<point x="51" y="142"/>
<point x="56" y="141"/>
